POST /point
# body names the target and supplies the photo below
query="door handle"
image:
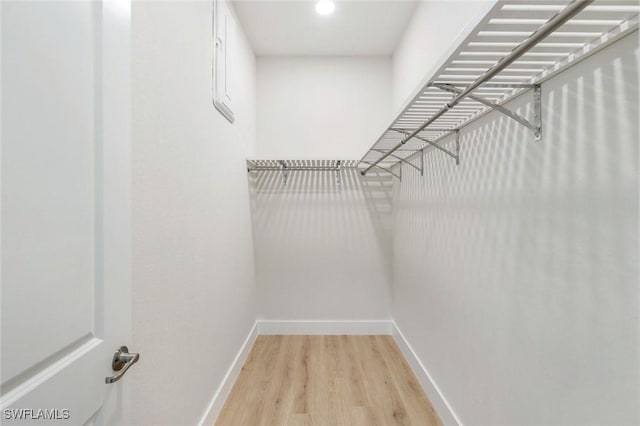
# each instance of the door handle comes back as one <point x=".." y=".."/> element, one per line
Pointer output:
<point x="122" y="361"/>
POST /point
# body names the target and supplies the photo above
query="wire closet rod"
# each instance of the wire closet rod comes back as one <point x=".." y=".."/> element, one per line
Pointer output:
<point x="572" y="9"/>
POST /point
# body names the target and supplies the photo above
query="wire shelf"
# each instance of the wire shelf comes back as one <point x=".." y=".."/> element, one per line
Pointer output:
<point x="300" y="165"/>
<point x="507" y="27"/>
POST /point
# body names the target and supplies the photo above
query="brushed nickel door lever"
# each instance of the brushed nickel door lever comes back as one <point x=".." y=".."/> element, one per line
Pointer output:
<point x="122" y="361"/>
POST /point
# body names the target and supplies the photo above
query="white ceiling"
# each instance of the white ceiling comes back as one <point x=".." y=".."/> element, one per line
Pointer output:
<point x="294" y="28"/>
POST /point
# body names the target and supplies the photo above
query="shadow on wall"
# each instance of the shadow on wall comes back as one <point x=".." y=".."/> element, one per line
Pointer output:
<point x="378" y="195"/>
<point x="376" y="189"/>
<point x="324" y="240"/>
<point x="525" y="259"/>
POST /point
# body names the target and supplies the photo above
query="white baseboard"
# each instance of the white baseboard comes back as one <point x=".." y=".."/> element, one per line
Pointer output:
<point x="439" y="402"/>
<point x="271" y="327"/>
<point x="217" y="402"/>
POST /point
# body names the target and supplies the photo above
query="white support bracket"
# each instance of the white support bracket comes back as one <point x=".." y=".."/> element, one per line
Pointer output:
<point x="384" y="169"/>
<point x="454" y="155"/>
<point x="535" y="126"/>
<point x="537" y="111"/>
<point x="284" y="172"/>
<point x="401" y="160"/>
<point x="457" y="147"/>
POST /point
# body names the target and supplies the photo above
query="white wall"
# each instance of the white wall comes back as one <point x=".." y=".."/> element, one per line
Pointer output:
<point x="322" y="247"/>
<point x="194" y="281"/>
<point x="322" y="250"/>
<point x="321" y="107"/>
<point x="430" y="35"/>
<point x="516" y="273"/>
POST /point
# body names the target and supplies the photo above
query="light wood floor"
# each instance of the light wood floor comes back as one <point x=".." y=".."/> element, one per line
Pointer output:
<point x="327" y="380"/>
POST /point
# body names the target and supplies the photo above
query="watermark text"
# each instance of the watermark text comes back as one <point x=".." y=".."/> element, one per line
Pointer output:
<point x="36" y="414"/>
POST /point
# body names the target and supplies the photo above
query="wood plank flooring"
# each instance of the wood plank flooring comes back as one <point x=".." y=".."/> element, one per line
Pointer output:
<point x="327" y="380"/>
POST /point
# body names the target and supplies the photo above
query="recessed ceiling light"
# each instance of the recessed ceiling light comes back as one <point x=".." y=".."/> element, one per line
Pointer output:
<point x="325" y="7"/>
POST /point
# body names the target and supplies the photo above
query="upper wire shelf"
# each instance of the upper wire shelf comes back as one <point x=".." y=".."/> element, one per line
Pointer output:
<point x="517" y="45"/>
<point x="300" y="165"/>
<point x="285" y="167"/>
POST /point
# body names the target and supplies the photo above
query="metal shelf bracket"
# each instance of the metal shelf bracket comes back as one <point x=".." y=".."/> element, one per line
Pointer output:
<point x="537" y="111"/>
<point x="457" y="147"/>
<point x="384" y="169"/>
<point x="401" y="160"/>
<point x="535" y="126"/>
<point x="453" y="155"/>
<point x="284" y="172"/>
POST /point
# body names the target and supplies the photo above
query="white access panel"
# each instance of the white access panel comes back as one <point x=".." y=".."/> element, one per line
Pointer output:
<point x="223" y="42"/>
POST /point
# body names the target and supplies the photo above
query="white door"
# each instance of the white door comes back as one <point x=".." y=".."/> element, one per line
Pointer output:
<point x="65" y="210"/>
